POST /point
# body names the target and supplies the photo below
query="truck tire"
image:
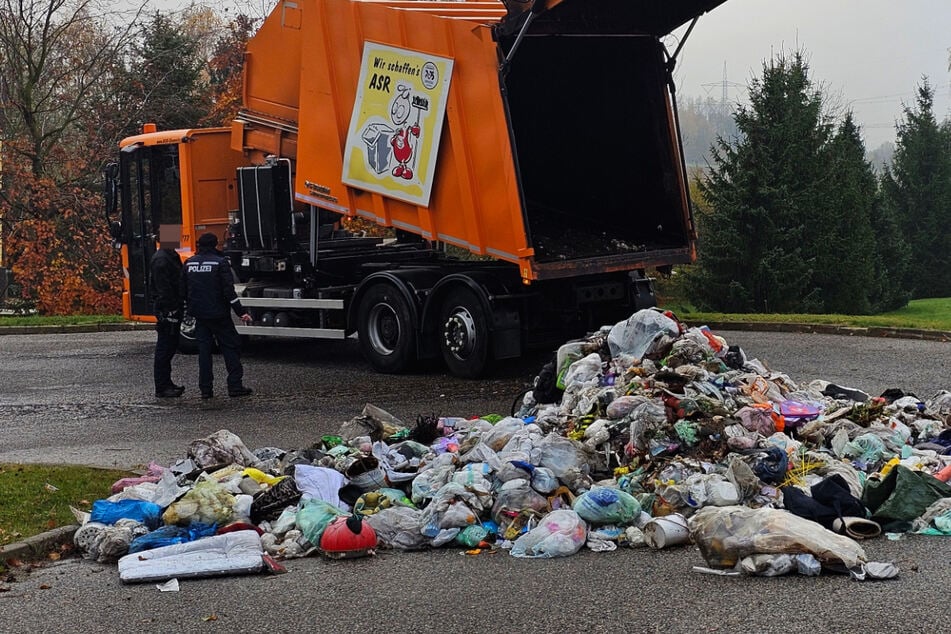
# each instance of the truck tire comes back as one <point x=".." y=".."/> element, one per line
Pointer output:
<point x="464" y="334"/>
<point x="386" y="330"/>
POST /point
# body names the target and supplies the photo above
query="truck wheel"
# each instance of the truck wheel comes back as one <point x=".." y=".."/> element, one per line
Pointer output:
<point x="464" y="334"/>
<point x="187" y="344"/>
<point x="386" y="330"/>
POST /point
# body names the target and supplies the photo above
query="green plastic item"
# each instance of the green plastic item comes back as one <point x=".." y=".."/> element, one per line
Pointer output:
<point x="471" y="536"/>
<point x="903" y="495"/>
<point x="940" y="525"/>
<point x="331" y="441"/>
<point x="402" y="434"/>
<point x="687" y="431"/>
<point x="313" y="517"/>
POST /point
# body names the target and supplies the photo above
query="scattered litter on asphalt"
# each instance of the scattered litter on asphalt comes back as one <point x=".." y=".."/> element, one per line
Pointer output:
<point x="644" y="434"/>
<point x="169" y="586"/>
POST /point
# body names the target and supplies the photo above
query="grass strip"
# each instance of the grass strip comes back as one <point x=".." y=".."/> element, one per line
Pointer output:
<point x="926" y="314"/>
<point x="58" y="320"/>
<point x="35" y="498"/>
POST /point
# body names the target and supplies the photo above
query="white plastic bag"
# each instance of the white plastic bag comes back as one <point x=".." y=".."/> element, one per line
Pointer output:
<point x="558" y="534"/>
<point x="221" y="447"/>
<point x="562" y="455"/>
<point x="502" y="432"/>
<point x="642" y="333"/>
<point x="583" y="373"/>
<point x="399" y="527"/>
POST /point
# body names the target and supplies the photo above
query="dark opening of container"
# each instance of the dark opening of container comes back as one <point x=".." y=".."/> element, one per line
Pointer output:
<point x="595" y="146"/>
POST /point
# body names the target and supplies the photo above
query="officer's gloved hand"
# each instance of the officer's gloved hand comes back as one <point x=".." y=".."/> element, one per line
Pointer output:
<point x="171" y="317"/>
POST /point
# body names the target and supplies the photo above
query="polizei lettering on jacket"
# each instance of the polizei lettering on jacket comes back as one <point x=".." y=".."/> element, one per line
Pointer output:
<point x="201" y="267"/>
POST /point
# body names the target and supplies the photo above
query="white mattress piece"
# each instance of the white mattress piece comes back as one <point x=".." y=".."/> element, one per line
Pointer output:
<point x="234" y="553"/>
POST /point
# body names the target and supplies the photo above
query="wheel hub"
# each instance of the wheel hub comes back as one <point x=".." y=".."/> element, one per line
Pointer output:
<point x="460" y="333"/>
<point x="384" y="330"/>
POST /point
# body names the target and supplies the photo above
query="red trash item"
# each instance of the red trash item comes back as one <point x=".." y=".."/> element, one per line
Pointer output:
<point x="348" y="538"/>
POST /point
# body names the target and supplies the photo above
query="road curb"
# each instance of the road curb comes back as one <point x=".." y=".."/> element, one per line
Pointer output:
<point x="75" y="328"/>
<point x="758" y="326"/>
<point x="37" y="546"/>
<point x="828" y="329"/>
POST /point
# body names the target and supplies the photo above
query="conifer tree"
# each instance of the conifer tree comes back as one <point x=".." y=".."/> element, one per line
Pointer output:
<point x="918" y="188"/>
<point x="846" y="247"/>
<point x="167" y="82"/>
<point x="892" y="256"/>
<point x="757" y="244"/>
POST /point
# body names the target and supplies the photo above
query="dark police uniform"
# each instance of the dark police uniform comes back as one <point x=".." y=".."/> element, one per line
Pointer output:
<point x="165" y="271"/>
<point x="208" y="289"/>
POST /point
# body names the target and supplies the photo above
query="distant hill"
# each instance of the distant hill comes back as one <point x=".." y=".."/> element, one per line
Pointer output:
<point x="703" y="120"/>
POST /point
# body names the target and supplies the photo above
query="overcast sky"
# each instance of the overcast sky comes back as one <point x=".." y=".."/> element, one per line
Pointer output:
<point x="869" y="53"/>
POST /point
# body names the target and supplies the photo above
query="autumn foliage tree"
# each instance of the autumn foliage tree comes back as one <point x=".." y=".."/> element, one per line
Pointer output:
<point x="55" y="58"/>
<point x="225" y="78"/>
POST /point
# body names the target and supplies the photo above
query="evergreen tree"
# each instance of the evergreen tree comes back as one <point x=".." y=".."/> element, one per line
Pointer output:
<point x="918" y="188"/>
<point x="167" y="78"/>
<point x="768" y="198"/>
<point x="892" y="255"/>
<point x="845" y="252"/>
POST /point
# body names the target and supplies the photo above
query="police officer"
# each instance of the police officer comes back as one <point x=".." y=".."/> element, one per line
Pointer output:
<point x="208" y="289"/>
<point x="165" y="271"/>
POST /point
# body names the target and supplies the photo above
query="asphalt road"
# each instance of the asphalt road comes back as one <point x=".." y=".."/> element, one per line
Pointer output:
<point x="87" y="398"/>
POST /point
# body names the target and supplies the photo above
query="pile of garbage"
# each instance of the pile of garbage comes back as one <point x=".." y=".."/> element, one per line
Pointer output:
<point x="644" y="434"/>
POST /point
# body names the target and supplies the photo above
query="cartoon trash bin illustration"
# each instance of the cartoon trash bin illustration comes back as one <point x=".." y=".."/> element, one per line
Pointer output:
<point x="377" y="137"/>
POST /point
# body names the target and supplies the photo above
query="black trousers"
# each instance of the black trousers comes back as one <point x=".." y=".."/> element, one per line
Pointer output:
<point x="229" y="342"/>
<point x="165" y="346"/>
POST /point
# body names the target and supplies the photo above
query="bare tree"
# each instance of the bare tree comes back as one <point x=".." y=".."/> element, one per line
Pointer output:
<point x="54" y="57"/>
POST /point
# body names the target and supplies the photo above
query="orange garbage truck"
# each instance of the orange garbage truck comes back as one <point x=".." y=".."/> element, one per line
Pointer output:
<point x="523" y="156"/>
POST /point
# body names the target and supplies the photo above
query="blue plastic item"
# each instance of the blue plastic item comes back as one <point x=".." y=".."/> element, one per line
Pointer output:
<point x="172" y="534"/>
<point x="106" y="512"/>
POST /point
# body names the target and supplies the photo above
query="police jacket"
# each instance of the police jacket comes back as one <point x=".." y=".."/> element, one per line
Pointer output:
<point x="165" y="271"/>
<point x="208" y="287"/>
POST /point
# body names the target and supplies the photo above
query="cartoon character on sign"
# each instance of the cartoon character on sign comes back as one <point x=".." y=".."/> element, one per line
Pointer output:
<point x="401" y="140"/>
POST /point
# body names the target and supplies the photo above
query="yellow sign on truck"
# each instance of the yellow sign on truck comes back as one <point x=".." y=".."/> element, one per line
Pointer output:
<point x="393" y="141"/>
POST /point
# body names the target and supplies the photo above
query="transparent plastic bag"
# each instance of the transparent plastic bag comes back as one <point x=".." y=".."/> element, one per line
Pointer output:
<point x="513" y="497"/>
<point x="221" y="447"/>
<point x="727" y="534"/>
<point x="558" y="534"/>
<point x="562" y="455"/>
<point x="585" y="372"/>
<point x="399" y="527"/>
<point x="208" y="502"/>
<point x="642" y="334"/>
<point x="428" y="482"/>
<point x="502" y="432"/>
<point x="544" y="480"/>
<point x="604" y="505"/>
